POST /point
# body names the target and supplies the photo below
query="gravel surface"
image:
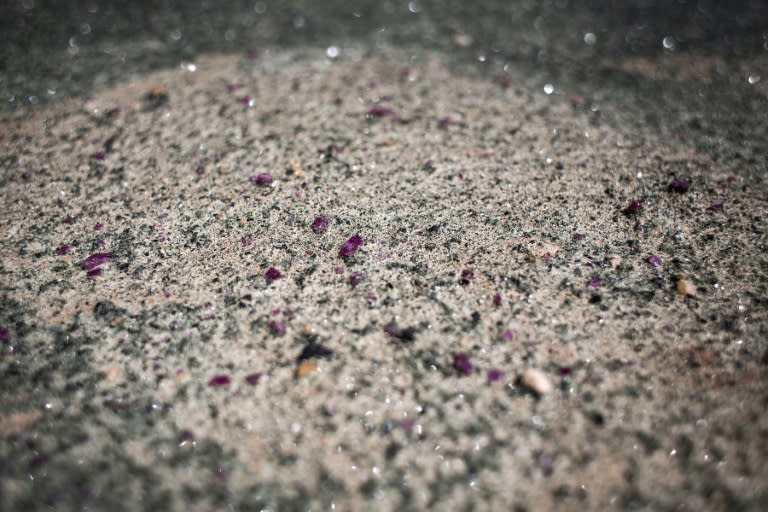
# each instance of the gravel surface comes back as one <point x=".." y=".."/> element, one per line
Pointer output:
<point x="364" y="277"/>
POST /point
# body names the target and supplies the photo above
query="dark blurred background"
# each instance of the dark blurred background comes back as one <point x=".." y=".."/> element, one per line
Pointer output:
<point x="55" y="48"/>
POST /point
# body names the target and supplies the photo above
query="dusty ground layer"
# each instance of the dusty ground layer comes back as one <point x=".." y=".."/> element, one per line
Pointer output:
<point x="505" y="224"/>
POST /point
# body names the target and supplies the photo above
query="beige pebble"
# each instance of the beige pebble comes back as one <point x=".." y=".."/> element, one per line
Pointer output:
<point x="112" y="373"/>
<point x="686" y="287"/>
<point x="537" y="381"/>
<point x="305" y="368"/>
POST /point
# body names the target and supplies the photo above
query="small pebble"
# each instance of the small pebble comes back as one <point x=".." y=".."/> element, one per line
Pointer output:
<point x="305" y="368"/>
<point x="685" y="287"/>
<point x="537" y="381"/>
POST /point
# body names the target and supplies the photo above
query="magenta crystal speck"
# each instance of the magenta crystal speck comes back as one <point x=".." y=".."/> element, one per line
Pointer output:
<point x="495" y="375"/>
<point x="497" y="299"/>
<point x="276" y="328"/>
<point x="351" y="246"/>
<point x="64" y="249"/>
<point x="462" y="363"/>
<point x="355" y="279"/>
<point x="5" y="334"/>
<point x="99" y="155"/>
<point x="261" y="179"/>
<point x="218" y="381"/>
<point x="634" y="208"/>
<point x="96" y="259"/>
<point x="320" y="224"/>
<point x="594" y="283"/>
<point x="272" y="275"/>
<point x="654" y="261"/>
<point x="681" y="184"/>
<point x="253" y="378"/>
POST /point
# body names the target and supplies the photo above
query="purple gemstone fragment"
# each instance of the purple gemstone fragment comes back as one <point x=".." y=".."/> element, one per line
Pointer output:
<point x="654" y="261"/>
<point x="218" y="381"/>
<point x="64" y="249"/>
<point x="262" y="179"/>
<point x="320" y="224"/>
<point x="276" y="328"/>
<point x="96" y="259"/>
<point x="381" y="112"/>
<point x="634" y="208"/>
<point x="351" y="246"/>
<point x="253" y="378"/>
<point x="5" y="334"/>
<point x="462" y="363"/>
<point x="497" y="299"/>
<point x="272" y="275"/>
<point x="355" y="279"/>
<point x="595" y="283"/>
<point x="681" y="184"/>
<point x="495" y="375"/>
<point x="99" y="155"/>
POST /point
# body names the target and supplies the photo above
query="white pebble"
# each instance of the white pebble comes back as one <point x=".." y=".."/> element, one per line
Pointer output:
<point x="537" y="381"/>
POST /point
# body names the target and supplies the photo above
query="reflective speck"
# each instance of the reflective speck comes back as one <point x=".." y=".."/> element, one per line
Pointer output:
<point x="414" y="7"/>
<point x="549" y="88"/>
<point x="332" y="52"/>
<point x="590" y="38"/>
<point x="753" y="79"/>
<point x="668" y="43"/>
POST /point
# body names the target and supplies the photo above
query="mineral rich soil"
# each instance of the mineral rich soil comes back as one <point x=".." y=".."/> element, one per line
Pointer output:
<point x="299" y="282"/>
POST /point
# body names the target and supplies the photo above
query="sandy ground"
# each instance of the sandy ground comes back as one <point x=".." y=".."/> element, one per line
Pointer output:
<point x="181" y="332"/>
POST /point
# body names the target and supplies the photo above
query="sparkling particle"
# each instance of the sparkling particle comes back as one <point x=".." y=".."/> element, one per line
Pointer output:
<point x="246" y="240"/>
<point x="351" y="246"/>
<point x="510" y="335"/>
<point x="753" y="79"/>
<point x="272" y="275"/>
<point x="668" y="43"/>
<point x="590" y="38"/>
<point x="219" y="381"/>
<point x="654" y="261"/>
<point x="462" y="364"/>
<point x="549" y="89"/>
<point x="262" y="179"/>
<point x="320" y="224"/>
<point x="595" y="283"/>
<point x="495" y="375"/>
<point x="246" y="101"/>
<point x="680" y="184"/>
<point x="332" y="52"/>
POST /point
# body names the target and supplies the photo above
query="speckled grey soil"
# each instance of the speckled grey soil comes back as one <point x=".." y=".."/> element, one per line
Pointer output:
<point x="177" y="372"/>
